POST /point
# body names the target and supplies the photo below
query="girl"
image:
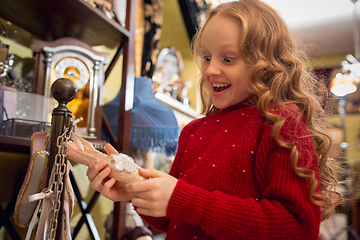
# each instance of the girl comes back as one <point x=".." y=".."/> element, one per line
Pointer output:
<point x="257" y="166"/>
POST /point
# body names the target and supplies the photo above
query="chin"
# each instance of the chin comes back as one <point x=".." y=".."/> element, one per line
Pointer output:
<point x="221" y="106"/>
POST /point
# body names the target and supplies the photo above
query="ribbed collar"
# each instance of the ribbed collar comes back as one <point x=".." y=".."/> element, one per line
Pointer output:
<point x="246" y="103"/>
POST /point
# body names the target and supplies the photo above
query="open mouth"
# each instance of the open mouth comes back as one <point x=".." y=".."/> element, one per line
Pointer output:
<point x="218" y="87"/>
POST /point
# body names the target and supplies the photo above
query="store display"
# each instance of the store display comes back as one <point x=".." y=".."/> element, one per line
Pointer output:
<point x="25" y="113"/>
<point x="73" y="59"/>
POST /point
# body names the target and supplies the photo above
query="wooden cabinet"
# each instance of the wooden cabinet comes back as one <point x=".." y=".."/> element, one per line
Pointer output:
<point x="53" y="19"/>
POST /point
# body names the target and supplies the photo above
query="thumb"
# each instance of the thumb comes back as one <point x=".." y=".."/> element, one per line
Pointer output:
<point x="150" y="173"/>
<point x="110" y="149"/>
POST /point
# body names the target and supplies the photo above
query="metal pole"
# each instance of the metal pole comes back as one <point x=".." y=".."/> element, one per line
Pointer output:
<point x="356" y="33"/>
<point x="63" y="90"/>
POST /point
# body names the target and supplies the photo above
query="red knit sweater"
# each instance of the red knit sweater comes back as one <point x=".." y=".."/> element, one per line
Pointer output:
<point x="235" y="182"/>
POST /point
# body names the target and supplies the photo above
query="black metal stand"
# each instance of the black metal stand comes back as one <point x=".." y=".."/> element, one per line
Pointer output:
<point x="85" y="211"/>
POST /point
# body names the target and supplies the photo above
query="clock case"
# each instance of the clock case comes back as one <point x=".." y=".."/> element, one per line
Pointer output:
<point x="48" y="54"/>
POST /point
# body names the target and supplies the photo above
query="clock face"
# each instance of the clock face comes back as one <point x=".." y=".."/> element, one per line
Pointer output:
<point x="74" y="69"/>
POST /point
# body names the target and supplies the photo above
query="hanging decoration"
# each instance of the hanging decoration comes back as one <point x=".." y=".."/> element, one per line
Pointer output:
<point x="153" y="124"/>
<point x="153" y="14"/>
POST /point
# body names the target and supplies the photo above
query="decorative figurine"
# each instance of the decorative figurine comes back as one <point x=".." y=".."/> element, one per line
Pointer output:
<point x="124" y="168"/>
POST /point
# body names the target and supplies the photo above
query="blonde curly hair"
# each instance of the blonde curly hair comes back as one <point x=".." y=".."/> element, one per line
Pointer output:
<point x="279" y="76"/>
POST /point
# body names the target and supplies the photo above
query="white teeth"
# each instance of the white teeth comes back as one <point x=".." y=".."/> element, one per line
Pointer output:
<point x="220" y="85"/>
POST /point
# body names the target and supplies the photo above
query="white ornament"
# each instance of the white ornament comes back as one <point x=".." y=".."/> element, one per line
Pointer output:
<point x="122" y="162"/>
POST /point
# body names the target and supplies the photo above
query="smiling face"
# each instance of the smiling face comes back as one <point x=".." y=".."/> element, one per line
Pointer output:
<point x="225" y="71"/>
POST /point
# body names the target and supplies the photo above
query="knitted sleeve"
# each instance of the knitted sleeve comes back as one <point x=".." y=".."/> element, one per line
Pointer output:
<point x="283" y="211"/>
<point x="162" y="223"/>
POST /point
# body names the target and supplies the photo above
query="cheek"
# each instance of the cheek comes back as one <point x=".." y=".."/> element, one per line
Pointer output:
<point x="203" y="73"/>
<point x="203" y="68"/>
<point x="207" y="83"/>
<point x="206" y="86"/>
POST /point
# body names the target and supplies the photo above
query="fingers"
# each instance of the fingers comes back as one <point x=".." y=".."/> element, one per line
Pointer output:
<point x="140" y="186"/>
<point x="94" y="168"/>
<point x="150" y="212"/>
<point x="144" y="205"/>
<point x="150" y="203"/>
<point x="100" y="180"/>
<point x="110" y="149"/>
<point x="150" y="183"/>
<point x="106" y="188"/>
<point x="97" y="174"/>
<point x="150" y="173"/>
<point x="152" y="195"/>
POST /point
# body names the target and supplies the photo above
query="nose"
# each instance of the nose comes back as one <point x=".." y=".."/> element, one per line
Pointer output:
<point x="213" y="68"/>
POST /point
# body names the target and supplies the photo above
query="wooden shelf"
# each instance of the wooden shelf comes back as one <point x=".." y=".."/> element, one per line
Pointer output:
<point x="15" y="144"/>
<point x="53" y="19"/>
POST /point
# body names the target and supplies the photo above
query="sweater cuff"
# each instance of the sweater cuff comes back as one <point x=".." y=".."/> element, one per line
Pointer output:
<point x="184" y="201"/>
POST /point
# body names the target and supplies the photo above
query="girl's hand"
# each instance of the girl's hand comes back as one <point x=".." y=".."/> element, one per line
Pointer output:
<point x="152" y="196"/>
<point x="98" y="174"/>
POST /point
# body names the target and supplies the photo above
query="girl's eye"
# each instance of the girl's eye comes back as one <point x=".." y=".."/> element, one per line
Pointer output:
<point x="206" y="58"/>
<point x="227" y="60"/>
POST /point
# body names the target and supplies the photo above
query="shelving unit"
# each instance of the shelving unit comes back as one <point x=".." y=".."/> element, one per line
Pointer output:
<point x="50" y="20"/>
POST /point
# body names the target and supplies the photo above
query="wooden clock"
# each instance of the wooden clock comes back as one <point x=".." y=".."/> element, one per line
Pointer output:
<point x="73" y="59"/>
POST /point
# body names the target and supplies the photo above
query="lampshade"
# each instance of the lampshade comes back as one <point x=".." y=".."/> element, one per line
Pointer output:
<point x="342" y="85"/>
<point x="153" y="124"/>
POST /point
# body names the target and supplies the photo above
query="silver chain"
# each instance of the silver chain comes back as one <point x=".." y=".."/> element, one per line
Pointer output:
<point x="57" y="185"/>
